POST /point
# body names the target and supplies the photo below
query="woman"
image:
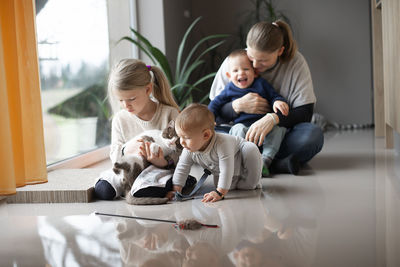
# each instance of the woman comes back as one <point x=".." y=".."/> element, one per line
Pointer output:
<point x="274" y="55"/>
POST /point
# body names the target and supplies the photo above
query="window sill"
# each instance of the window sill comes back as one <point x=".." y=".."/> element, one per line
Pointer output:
<point x="69" y="181"/>
<point x="87" y="160"/>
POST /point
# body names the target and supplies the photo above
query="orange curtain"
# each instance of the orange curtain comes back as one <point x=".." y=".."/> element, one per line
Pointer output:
<point x="22" y="154"/>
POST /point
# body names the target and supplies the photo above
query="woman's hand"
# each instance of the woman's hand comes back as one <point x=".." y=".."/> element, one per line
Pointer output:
<point x="259" y="129"/>
<point x="251" y="103"/>
<point x="282" y="106"/>
<point x="157" y="159"/>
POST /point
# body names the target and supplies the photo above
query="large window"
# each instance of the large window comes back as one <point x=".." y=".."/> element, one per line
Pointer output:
<point x="73" y="57"/>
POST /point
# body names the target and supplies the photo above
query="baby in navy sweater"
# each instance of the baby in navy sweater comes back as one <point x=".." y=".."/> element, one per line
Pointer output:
<point x="244" y="80"/>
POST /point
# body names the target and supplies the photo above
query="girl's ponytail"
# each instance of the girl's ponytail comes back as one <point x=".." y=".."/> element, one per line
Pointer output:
<point x="269" y="37"/>
<point x="161" y="88"/>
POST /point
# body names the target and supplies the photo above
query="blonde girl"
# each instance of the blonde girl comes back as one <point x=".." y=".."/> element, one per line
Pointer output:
<point x="145" y="103"/>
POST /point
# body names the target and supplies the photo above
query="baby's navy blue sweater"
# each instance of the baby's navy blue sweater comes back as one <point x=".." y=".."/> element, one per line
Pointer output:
<point x="231" y="92"/>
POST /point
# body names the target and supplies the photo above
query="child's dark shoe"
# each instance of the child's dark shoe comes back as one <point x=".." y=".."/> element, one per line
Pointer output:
<point x="265" y="172"/>
<point x="290" y="164"/>
<point x="266" y="163"/>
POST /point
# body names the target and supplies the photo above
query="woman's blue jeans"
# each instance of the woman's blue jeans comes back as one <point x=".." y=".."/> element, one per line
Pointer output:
<point x="304" y="141"/>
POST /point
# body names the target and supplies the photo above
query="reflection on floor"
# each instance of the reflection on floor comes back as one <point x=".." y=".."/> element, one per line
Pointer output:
<point x="342" y="210"/>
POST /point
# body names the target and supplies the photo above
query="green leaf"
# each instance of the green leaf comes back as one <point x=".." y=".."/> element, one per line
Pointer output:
<point x="163" y="62"/>
<point x="204" y="78"/>
<point x="204" y="98"/>
<point x="182" y="46"/>
<point x="189" y="71"/>
<point x="209" y="49"/>
<point x="157" y="54"/>
<point x="193" y="50"/>
<point x="142" y="38"/>
<point x="178" y="91"/>
<point x="148" y="53"/>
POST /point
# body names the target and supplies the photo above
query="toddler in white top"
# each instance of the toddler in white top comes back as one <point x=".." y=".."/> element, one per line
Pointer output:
<point x="234" y="162"/>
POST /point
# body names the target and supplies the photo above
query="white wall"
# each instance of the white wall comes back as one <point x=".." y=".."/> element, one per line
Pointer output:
<point x="150" y="23"/>
<point x="147" y="17"/>
<point x="118" y="12"/>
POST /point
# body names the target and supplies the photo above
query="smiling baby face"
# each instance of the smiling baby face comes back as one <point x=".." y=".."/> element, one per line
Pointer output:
<point x="241" y="72"/>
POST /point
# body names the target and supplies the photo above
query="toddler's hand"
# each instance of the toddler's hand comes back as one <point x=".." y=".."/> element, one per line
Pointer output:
<point x="171" y="194"/>
<point x="177" y="188"/>
<point x="212" y="197"/>
<point x="283" y="107"/>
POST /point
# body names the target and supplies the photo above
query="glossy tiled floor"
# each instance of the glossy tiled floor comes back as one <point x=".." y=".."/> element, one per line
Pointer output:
<point x="343" y="210"/>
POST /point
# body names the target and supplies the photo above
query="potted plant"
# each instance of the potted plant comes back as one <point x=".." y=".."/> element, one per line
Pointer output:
<point x="181" y="85"/>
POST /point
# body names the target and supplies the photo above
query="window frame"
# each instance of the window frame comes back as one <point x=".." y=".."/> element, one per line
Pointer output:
<point x="82" y="160"/>
<point x="118" y="13"/>
<point x="122" y="12"/>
